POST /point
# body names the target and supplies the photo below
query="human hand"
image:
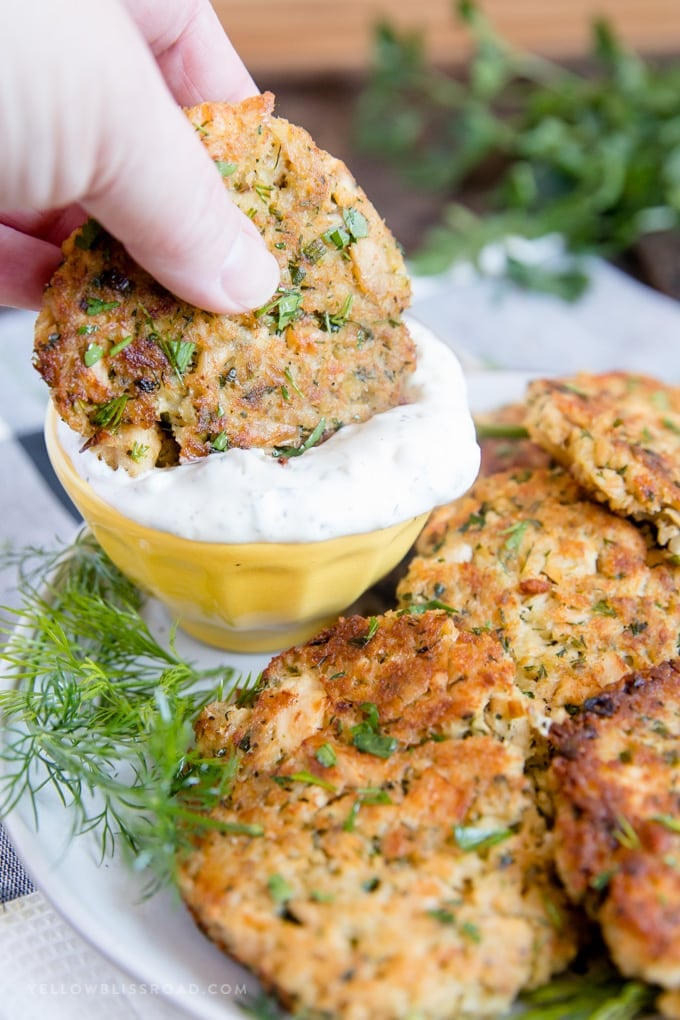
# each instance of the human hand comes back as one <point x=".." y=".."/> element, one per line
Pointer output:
<point x="89" y="125"/>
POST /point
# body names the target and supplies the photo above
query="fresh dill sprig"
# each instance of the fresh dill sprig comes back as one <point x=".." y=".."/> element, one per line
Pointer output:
<point x="100" y="711"/>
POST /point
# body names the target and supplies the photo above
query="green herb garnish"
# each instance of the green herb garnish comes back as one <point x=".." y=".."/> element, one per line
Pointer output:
<point x="366" y="735"/>
<point x="286" y="304"/>
<point x="120" y="346"/>
<point x="93" y="354"/>
<point x="418" y="608"/>
<point x="356" y="223"/>
<point x="326" y="756"/>
<point x="138" y="451"/>
<point x="625" y="834"/>
<point x="365" y="795"/>
<point x="516" y="533"/>
<point x="220" y="443"/>
<point x="179" y="353"/>
<point x="305" y="777"/>
<point x="289" y="376"/>
<point x="338" y="237"/>
<point x="332" y="322"/>
<point x="87" y="235"/>
<point x="279" y="889"/>
<point x="286" y="452"/>
<point x="110" y="415"/>
<point x="225" y="168"/>
<point x="102" y="712"/>
<point x="472" y="837"/>
<point x="498" y="431"/>
<point x="95" y="306"/>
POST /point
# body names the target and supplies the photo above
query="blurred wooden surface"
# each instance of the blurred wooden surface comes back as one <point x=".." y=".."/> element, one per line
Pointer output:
<point x="328" y="35"/>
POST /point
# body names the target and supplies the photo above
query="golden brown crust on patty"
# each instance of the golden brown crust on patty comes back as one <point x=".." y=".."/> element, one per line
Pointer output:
<point x="620" y="436"/>
<point x="329" y="349"/>
<point x="616" y="784"/>
<point x="577" y="594"/>
<point x="361" y="899"/>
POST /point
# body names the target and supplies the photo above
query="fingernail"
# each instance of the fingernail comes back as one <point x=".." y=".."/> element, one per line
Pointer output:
<point x="250" y="274"/>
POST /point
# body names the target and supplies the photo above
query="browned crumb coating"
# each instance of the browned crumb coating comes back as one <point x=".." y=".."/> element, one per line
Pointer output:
<point x="368" y="756"/>
<point x="150" y="380"/>
<point x="616" y="782"/>
<point x="578" y="595"/>
<point x="619" y="434"/>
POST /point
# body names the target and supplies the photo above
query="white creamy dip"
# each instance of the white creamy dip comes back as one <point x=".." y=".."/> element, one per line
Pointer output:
<point x="397" y="465"/>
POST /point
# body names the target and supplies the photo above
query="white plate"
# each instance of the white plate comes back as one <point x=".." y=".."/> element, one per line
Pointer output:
<point x="155" y="941"/>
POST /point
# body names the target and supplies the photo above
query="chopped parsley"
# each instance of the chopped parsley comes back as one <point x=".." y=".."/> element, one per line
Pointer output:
<point x="87" y="330"/>
<point x="225" y="168"/>
<point x="516" y="533"/>
<point x="338" y="237"/>
<point x="418" y="608"/>
<point x="365" y="795"/>
<point x="356" y="223"/>
<point x="286" y="305"/>
<point x="285" y="452"/>
<point x="87" y="235"/>
<point x="279" y="889"/>
<point x="326" y="756"/>
<point x="331" y="323"/>
<point x="363" y="639"/>
<point x="305" y="777"/>
<point x="366" y="736"/>
<point x="289" y="376"/>
<point x="471" y="837"/>
<point x="220" y="443"/>
<point x="95" y="306"/>
<point x="93" y="354"/>
<point x="120" y="346"/>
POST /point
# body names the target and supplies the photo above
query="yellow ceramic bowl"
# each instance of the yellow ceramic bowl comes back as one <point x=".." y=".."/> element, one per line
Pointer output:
<point x="257" y="597"/>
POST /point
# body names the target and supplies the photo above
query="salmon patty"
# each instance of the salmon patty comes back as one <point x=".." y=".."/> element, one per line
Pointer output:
<point x="619" y="434"/>
<point x="402" y="854"/>
<point x="149" y="380"/>
<point x="616" y="785"/>
<point x="577" y="595"/>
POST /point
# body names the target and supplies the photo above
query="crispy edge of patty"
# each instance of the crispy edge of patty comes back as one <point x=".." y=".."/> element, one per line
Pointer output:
<point x="616" y="787"/>
<point x="425" y="681"/>
<point x="119" y="402"/>
<point x="620" y="435"/>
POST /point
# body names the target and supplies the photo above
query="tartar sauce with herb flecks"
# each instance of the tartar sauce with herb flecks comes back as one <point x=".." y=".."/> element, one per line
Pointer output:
<point x="394" y="466"/>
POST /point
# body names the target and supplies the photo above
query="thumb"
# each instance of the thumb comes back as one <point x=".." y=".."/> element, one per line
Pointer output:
<point x="164" y="199"/>
<point x="112" y="139"/>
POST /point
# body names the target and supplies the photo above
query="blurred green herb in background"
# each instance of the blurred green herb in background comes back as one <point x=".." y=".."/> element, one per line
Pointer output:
<point x="593" y="157"/>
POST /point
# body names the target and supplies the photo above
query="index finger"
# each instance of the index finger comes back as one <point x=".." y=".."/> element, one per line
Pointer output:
<point x="191" y="48"/>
